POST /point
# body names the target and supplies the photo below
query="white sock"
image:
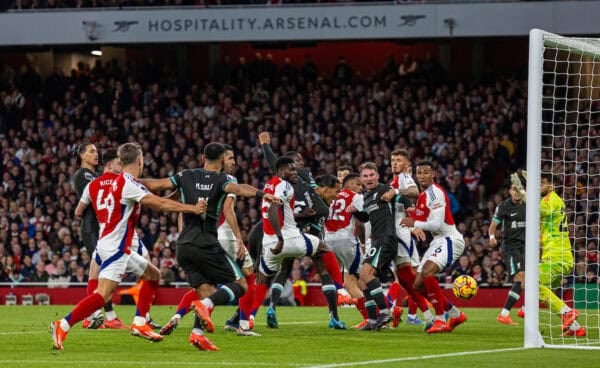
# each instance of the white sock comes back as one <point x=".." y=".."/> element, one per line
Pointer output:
<point x="440" y="317"/>
<point x="65" y="325"/>
<point x="574" y="326"/>
<point x="198" y="331"/>
<point x="111" y="315"/>
<point x="453" y="312"/>
<point x="412" y="316"/>
<point x="565" y="309"/>
<point x="244" y="324"/>
<point x="208" y="303"/>
<point x="139" y="320"/>
<point x="177" y="316"/>
<point x="427" y="315"/>
<point x="505" y="312"/>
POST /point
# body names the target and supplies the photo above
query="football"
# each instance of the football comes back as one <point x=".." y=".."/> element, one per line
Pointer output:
<point x="465" y="287"/>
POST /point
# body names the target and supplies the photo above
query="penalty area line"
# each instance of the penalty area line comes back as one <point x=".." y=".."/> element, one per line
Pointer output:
<point x="407" y="359"/>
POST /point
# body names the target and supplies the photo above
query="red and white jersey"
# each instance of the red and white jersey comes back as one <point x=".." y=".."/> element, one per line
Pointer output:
<point x="224" y="231"/>
<point x="403" y="181"/>
<point x="284" y="190"/>
<point x="339" y="223"/>
<point x="123" y="211"/>
<point x="96" y="193"/>
<point x="432" y="213"/>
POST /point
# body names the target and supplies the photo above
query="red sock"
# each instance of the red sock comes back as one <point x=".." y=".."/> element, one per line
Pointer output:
<point x="186" y="301"/>
<point x="259" y="296"/>
<point x="146" y="296"/>
<point x="434" y="294"/>
<point x="247" y="299"/>
<point x="412" y="306"/>
<point x="333" y="268"/>
<point x="394" y="291"/>
<point x="91" y="286"/>
<point x="360" y="305"/>
<point x="84" y="308"/>
<point x="407" y="276"/>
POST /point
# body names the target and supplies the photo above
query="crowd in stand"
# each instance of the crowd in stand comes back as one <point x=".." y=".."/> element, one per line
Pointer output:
<point x="473" y="131"/>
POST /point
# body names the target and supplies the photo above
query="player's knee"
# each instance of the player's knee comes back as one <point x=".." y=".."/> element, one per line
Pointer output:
<point x="151" y="273"/>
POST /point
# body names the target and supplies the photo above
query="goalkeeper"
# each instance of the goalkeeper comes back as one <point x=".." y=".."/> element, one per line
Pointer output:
<point x="557" y="256"/>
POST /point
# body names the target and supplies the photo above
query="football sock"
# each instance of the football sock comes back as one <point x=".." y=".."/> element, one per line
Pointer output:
<point x="245" y="303"/>
<point x="185" y="303"/>
<point x="513" y="295"/>
<point x="360" y="305"/>
<point x="407" y="276"/>
<point x="145" y="298"/>
<point x="276" y="290"/>
<point x="330" y="293"/>
<point x="434" y="294"/>
<point x="376" y="291"/>
<point x="259" y="296"/>
<point x="333" y="268"/>
<point x="227" y="294"/>
<point x="84" y="308"/>
<point x="370" y="305"/>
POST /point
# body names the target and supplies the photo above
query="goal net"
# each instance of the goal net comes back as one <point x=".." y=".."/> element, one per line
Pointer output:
<point x="563" y="146"/>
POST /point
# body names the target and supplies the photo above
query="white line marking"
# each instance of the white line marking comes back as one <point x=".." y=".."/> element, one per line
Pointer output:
<point x="406" y="359"/>
<point x="23" y="332"/>
<point x="146" y="363"/>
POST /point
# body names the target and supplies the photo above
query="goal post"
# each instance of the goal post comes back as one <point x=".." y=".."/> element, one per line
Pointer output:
<point x="563" y="140"/>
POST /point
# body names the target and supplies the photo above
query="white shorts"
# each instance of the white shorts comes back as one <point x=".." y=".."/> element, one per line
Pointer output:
<point x="117" y="264"/>
<point x="347" y="251"/>
<point x="407" y="249"/>
<point x="443" y="252"/>
<point x="231" y="249"/>
<point x="299" y="246"/>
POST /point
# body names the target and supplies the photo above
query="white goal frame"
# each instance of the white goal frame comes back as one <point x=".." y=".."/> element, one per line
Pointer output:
<point x="537" y="42"/>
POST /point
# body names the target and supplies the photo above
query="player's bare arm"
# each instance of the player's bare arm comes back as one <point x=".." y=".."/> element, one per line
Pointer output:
<point x="492" y="233"/>
<point x="157" y="185"/>
<point x="167" y="205"/>
<point x="273" y="214"/>
<point x="245" y="190"/>
<point x="230" y="217"/>
<point x="80" y="209"/>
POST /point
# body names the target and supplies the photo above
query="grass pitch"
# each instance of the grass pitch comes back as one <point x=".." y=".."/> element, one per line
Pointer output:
<point x="303" y="340"/>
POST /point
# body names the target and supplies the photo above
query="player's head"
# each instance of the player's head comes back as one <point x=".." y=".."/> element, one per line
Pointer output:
<point x="352" y="182"/>
<point x="425" y="173"/>
<point x="400" y="161"/>
<point x="297" y="157"/>
<point x="515" y="195"/>
<point x="286" y="169"/>
<point x="328" y="187"/>
<point x="214" y="151"/>
<point x="342" y="171"/>
<point x="111" y="162"/>
<point x="130" y="155"/>
<point x="369" y="175"/>
<point x="87" y="155"/>
<point x="228" y="159"/>
<point x="547" y="185"/>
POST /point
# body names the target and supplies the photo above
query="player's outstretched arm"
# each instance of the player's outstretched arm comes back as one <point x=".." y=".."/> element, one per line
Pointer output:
<point x="273" y="214"/>
<point x="167" y="205"/>
<point x="245" y="190"/>
<point x="230" y="217"/>
<point x="158" y="185"/>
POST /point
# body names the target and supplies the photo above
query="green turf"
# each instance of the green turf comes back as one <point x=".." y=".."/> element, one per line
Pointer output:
<point x="302" y="340"/>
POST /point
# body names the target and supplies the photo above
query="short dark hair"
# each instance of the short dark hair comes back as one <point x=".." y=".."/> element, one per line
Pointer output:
<point x="283" y="161"/>
<point x="400" y="152"/>
<point x="425" y="163"/>
<point x="327" y="181"/>
<point x="349" y="177"/>
<point x="129" y="152"/>
<point x="368" y="165"/>
<point x="546" y="176"/>
<point x="344" y="168"/>
<point x="228" y="147"/>
<point x="109" y="155"/>
<point x="213" y="151"/>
